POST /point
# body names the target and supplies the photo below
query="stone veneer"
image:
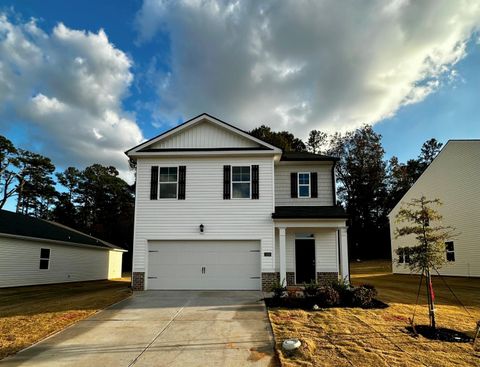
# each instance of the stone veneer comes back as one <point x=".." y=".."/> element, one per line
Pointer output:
<point x="270" y="279"/>
<point x="138" y="281"/>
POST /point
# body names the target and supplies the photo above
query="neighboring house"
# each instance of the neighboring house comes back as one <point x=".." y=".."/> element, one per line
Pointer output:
<point x="454" y="178"/>
<point x="217" y="208"/>
<point x="36" y="251"/>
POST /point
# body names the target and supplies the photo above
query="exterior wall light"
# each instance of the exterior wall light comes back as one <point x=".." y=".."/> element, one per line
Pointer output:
<point x="202" y="227"/>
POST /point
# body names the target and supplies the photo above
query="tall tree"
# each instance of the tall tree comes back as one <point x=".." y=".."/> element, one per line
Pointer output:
<point x="8" y="164"/>
<point x="36" y="188"/>
<point x="281" y="139"/>
<point x="316" y="141"/>
<point x="429" y="151"/>
<point x="361" y="174"/>
<point x="423" y="222"/>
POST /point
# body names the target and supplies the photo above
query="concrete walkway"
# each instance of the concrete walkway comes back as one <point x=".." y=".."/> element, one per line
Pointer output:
<point x="163" y="328"/>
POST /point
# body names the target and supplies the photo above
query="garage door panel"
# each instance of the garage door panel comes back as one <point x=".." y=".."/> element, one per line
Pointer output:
<point x="227" y="264"/>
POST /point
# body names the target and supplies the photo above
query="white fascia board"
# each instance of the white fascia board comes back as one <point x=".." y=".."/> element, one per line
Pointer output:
<point x="310" y="223"/>
<point x="204" y="153"/>
<point x="194" y="121"/>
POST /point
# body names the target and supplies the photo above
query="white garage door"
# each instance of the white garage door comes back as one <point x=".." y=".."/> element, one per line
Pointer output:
<point x="215" y="265"/>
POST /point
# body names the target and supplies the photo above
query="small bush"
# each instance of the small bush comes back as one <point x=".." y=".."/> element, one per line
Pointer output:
<point x="278" y="289"/>
<point x="363" y="296"/>
<point x="310" y="289"/>
<point x="344" y="290"/>
<point x="327" y="296"/>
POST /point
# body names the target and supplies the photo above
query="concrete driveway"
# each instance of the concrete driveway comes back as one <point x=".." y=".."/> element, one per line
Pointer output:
<point x="163" y="328"/>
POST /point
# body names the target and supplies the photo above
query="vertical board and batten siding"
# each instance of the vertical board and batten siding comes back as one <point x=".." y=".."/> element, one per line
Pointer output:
<point x="454" y="178"/>
<point x="172" y="219"/>
<point x="20" y="259"/>
<point x="204" y="135"/>
<point x="326" y="248"/>
<point x="282" y="184"/>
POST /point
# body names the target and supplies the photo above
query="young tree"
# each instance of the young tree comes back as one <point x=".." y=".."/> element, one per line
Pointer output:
<point x="316" y="141"/>
<point x="423" y="221"/>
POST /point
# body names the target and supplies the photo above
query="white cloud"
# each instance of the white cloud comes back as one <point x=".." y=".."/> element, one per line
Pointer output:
<point x="304" y="64"/>
<point x="67" y="87"/>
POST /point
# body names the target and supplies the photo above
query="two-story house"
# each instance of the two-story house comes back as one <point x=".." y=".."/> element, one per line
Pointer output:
<point x="219" y="209"/>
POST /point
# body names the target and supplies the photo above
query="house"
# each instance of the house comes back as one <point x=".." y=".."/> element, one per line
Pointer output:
<point x="217" y="208"/>
<point x="454" y="178"/>
<point x="35" y="251"/>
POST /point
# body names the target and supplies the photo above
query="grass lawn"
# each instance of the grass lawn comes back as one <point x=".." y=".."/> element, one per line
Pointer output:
<point x="357" y="337"/>
<point x="29" y="314"/>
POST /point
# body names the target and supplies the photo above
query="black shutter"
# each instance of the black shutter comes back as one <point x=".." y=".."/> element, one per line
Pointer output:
<point x="255" y="185"/>
<point x="314" y="185"/>
<point x="293" y="185"/>
<point x="181" y="182"/>
<point x="226" y="182"/>
<point x="154" y="183"/>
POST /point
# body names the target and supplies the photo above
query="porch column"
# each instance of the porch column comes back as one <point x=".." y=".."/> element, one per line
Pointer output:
<point x="283" y="260"/>
<point x="343" y="247"/>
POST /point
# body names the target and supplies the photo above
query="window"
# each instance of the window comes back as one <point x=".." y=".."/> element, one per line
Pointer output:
<point x="401" y="259"/>
<point x="406" y="252"/>
<point x="168" y="182"/>
<point x="304" y="184"/>
<point x="450" y="251"/>
<point x="403" y="255"/>
<point x="241" y="182"/>
<point x="44" y="258"/>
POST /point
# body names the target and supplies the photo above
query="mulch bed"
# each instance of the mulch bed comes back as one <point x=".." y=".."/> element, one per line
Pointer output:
<point x="308" y="303"/>
<point x="439" y="334"/>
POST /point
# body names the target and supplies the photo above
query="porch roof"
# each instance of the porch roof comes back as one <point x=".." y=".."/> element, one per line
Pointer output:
<point x="309" y="212"/>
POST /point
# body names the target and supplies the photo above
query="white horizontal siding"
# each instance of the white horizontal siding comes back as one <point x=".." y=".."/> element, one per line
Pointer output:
<point x="282" y="184"/>
<point x="20" y="260"/>
<point x="205" y="135"/>
<point x="325" y="249"/>
<point x="241" y="219"/>
<point x="454" y="178"/>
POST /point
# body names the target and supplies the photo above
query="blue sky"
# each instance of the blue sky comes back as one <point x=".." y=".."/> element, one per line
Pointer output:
<point x="80" y="97"/>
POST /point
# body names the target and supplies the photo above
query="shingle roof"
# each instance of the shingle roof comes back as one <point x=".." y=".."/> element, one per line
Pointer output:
<point x="306" y="156"/>
<point x="26" y="226"/>
<point x="309" y="212"/>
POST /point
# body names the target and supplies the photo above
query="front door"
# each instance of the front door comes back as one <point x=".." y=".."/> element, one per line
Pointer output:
<point x="305" y="260"/>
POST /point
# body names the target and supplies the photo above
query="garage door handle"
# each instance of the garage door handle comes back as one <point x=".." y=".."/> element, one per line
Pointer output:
<point x="203" y="269"/>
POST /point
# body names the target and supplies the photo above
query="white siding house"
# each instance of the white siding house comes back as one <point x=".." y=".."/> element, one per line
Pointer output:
<point x="454" y="178"/>
<point x="34" y="251"/>
<point x="216" y="209"/>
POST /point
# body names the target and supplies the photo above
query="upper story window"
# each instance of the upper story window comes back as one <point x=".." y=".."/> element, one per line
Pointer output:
<point x="304" y="184"/>
<point x="241" y="182"/>
<point x="44" y="258"/>
<point x="450" y="251"/>
<point x="168" y="182"/>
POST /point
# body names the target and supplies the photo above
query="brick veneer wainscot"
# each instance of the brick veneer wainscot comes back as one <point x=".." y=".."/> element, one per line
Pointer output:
<point x="138" y="281"/>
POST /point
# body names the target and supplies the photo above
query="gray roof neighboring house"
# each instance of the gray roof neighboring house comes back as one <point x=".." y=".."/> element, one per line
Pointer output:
<point x="20" y="225"/>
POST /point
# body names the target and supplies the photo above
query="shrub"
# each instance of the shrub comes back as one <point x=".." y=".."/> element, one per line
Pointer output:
<point x="362" y="296"/>
<point x="327" y="296"/>
<point x="344" y="290"/>
<point x="310" y="289"/>
<point x="278" y="289"/>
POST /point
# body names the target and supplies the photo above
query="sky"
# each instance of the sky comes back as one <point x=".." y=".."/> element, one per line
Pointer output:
<point x="83" y="81"/>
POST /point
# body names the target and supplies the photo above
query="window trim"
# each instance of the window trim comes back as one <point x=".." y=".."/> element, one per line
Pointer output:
<point x="166" y="182"/>
<point x="449" y="252"/>
<point x="249" y="183"/>
<point x="45" y="258"/>
<point x="309" y="185"/>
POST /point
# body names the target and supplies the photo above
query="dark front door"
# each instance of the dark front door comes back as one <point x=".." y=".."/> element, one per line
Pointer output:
<point x="305" y="260"/>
